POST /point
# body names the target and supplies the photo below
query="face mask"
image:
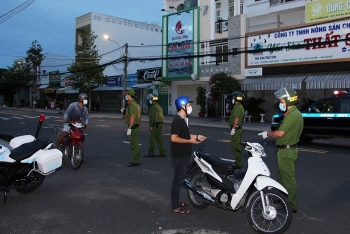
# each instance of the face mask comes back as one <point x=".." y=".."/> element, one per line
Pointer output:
<point x="282" y="108"/>
<point x="150" y="102"/>
<point x="126" y="98"/>
<point x="233" y="101"/>
<point x="189" y="110"/>
<point x="85" y="102"/>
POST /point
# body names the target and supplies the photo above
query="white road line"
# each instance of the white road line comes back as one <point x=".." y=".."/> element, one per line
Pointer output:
<point x="15" y="117"/>
<point x="22" y="123"/>
<point x="127" y="142"/>
<point x="4" y="118"/>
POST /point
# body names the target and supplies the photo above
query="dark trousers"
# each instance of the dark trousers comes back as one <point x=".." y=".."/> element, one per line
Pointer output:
<point x="180" y="167"/>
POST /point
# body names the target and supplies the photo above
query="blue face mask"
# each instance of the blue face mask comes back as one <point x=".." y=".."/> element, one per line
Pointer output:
<point x="150" y="102"/>
<point x="126" y="98"/>
<point x="282" y="108"/>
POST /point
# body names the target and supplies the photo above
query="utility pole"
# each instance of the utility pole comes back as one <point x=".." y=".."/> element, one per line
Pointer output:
<point x="125" y="75"/>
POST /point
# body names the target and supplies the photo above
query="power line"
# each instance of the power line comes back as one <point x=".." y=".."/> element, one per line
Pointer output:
<point x="15" y="11"/>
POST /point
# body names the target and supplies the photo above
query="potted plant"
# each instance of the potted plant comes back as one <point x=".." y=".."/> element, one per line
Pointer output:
<point x="201" y="100"/>
<point x="252" y="106"/>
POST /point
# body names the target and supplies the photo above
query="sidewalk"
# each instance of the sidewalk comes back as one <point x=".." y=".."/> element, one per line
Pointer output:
<point x="217" y="122"/>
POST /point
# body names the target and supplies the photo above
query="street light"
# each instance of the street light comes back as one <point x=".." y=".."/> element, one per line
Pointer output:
<point x="125" y="60"/>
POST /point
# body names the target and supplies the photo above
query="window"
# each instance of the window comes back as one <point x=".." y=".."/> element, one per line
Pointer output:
<point x="220" y="50"/>
<point x="136" y="25"/>
<point x="125" y="23"/>
<point x="95" y="17"/>
<point x="99" y="17"/>
<point x="146" y="27"/>
<point x="107" y="20"/>
<point x="119" y="22"/>
<point x="113" y="21"/>
<point x="345" y="106"/>
<point x="323" y="106"/>
<point x="141" y="26"/>
<point x="130" y="24"/>
<point x="231" y="7"/>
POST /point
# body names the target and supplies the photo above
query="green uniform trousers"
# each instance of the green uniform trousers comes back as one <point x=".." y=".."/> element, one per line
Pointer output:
<point x="156" y="137"/>
<point x="286" y="173"/>
<point x="134" y="139"/>
<point x="236" y="148"/>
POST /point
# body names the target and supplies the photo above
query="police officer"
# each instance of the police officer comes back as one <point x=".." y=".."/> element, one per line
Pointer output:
<point x="288" y="136"/>
<point x="132" y="119"/>
<point x="236" y="120"/>
<point x="156" y="119"/>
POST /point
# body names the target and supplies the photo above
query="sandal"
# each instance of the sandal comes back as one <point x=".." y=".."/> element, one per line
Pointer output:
<point x="183" y="204"/>
<point x="181" y="210"/>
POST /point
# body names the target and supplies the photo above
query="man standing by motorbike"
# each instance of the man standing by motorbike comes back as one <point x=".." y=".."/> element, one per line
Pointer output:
<point x="132" y="119"/>
<point x="181" y="149"/>
<point x="288" y="136"/>
<point x="236" y="120"/>
<point x="75" y="111"/>
<point x="156" y="119"/>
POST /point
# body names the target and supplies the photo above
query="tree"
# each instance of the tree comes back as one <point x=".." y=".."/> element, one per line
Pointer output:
<point x="86" y="69"/>
<point x="34" y="59"/>
<point x="201" y="99"/>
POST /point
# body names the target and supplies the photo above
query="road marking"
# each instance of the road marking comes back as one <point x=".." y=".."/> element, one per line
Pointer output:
<point x="17" y="117"/>
<point x="101" y="120"/>
<point x="30" y="117"/>
<point x="22" y="123"/>
<point x="127" y="142"/>
<point x="4" y="118"/>
<point x="313" y="150"/>
<point x="227" y="141"/>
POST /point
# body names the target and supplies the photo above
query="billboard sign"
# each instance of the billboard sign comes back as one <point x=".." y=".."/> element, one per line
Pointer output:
<point x="317" y="43"/>
<point x="149" y="74"/>
<point x="113" y="81"/>
<point x="320" y="10"/>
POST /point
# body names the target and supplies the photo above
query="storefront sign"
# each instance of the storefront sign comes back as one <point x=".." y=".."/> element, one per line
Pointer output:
<point x="54" y="77"/>
<point x="253" y="71"/>
<point x="113" y="81"/>
<point x="149" y="74"/>
<point x="321" y="42"/>
<point x="326" y="10"/>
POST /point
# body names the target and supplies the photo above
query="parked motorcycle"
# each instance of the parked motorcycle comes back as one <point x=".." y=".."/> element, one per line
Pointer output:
<point x="25" y="166"/>
<point x="216" y="181"/>
<point x="72" y="146"/>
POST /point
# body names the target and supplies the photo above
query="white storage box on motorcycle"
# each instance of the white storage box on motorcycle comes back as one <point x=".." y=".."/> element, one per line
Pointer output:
<point x="49" y="160"/>
<point x="20" y="140"/>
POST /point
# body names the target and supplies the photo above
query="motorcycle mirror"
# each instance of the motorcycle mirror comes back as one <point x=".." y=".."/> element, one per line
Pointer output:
<point x="41" y="118"/>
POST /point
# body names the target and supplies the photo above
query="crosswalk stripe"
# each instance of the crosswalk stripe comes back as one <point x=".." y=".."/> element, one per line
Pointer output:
<point x="313" y="150"/>
<point x="17" y="117"/>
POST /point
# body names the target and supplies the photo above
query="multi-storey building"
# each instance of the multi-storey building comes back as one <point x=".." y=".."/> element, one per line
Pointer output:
<point x="113" y="33"/>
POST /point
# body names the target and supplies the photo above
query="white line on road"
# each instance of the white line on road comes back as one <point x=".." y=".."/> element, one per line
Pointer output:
<point x="4" y="118"/>
<point x="15" y="117"/>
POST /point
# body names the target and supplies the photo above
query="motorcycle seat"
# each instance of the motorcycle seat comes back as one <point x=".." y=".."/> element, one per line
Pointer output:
<point x="216" y="162"/>
<point x="28" y="149"/>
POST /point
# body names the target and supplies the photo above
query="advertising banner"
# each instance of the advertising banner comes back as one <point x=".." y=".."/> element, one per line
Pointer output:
<point x="149" y="74"/>
<point x="326" y="10"/>
<point x="54" y="77"/>
<point x="323" y="42"/>
<point x="182" y="42"/>
<point x="113" y="81"/>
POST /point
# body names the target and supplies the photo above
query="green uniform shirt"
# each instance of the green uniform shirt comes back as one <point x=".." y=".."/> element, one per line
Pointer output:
<point x="133" y="109"/>
<point x="237" y="112"/>
<point x="292" y="125"/>
<point x="155" y="114"/>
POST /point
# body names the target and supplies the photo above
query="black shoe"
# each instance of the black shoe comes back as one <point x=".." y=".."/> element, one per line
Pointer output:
<point x="132" y="164"/>
<point x="295" y="211"/>
<point x="161" y="155"/>
<point x="149" y="156"/>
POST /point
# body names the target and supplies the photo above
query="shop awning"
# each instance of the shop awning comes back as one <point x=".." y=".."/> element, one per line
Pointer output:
<point x="68" y="91"/>
<point x="43" y="86"/>
<point x="52" y="89"/>
<point x="109" y="88"/>
<point x="60" y="91"/>
<point x="143" y="86"/>
<point x="330" y="80"/>
<point x="273" y="82"/>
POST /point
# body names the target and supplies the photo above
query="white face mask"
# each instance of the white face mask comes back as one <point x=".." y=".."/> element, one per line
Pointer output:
<point x="233" y="101"/>
<point x="189" y="110"/>
<point x="85" y="102"/>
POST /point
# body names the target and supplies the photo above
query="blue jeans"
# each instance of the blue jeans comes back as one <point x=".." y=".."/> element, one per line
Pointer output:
<point x="180" y="168"/>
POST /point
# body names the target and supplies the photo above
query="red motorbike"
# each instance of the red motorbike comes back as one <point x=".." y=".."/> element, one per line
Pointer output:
<point x="72" y="146"/>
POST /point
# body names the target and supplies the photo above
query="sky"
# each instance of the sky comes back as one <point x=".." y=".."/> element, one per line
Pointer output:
<point x="52" y="23"/>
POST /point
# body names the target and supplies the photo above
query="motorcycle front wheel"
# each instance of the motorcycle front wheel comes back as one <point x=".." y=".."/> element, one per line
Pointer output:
<point x="77" y="157"/>
<point x="279" y="213"/>
<point x="201" y="183"/>
<point x="30" y="183"/>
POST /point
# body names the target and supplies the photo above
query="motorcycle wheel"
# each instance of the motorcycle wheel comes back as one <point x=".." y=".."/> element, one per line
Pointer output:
<point x="280" y="213"/>
<point x="31" y="183"/>
<point x="201" y="183"/>
<point x="77" y="158"/>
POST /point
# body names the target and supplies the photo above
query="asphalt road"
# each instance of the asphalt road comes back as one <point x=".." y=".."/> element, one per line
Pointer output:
<point x="105" y="196"/>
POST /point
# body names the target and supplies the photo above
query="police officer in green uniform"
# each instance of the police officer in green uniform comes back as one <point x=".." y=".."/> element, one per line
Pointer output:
<point x="156" y="119"/>
<point x="288" y="136"/>
<point x="132" y="119"/>
<point x="236" y="120"/>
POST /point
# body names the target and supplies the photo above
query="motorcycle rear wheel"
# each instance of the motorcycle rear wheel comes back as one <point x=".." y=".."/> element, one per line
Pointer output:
<point x="280" y="213"/>
<point x="200" y="182"/>
<point x="77" y="158"/>
<point x="33" y="181"/>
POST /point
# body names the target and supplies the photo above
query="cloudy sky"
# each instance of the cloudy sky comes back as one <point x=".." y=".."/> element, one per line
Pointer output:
<point x="52" y="22"/>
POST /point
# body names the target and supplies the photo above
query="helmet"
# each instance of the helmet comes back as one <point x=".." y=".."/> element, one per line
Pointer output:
<point x="82" y="95"/>
<point x="152" y="97"/>
<point x="289" y="95"/>
<point x="182" y="100"/>
<point x="238" y="96"/>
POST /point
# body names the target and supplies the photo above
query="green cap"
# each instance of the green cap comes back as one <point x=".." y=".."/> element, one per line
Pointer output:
<point x="131" y="92"/>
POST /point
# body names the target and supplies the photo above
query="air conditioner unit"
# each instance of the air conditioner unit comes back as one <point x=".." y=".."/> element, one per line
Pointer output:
<point x="218" y="18"/>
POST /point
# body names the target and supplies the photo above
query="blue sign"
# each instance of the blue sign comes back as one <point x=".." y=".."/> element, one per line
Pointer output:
<point x="113" y="81"/>
<point x="131" y="80"/>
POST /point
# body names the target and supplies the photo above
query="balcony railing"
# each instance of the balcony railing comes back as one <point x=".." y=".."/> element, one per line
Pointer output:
<point x="274" y="2"/>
